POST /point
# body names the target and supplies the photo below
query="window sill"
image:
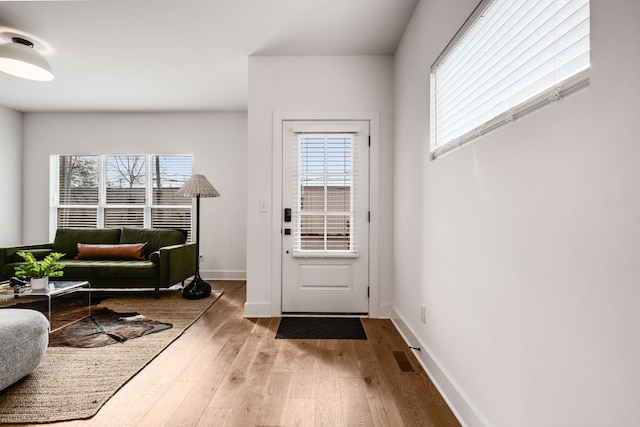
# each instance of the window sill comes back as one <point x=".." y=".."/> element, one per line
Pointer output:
<point x="325" y="254"/>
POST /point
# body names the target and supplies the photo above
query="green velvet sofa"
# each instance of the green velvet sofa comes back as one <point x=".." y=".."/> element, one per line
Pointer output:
<point x="166" y="258"/>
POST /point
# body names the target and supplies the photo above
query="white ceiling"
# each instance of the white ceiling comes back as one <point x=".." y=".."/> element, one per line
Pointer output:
<point x="181" y="55"/>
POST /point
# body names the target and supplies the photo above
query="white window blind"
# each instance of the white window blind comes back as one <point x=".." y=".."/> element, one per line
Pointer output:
<point x="124" y="217"/>
<point x="75" y="191"/>
<point x="326" y="194"/>
<point x="75" y="218"/>
<point x="113" y="191"/>
<point x="78" y="180"/>
<point x="169" y="174"/>
<point x="509" y="59"/>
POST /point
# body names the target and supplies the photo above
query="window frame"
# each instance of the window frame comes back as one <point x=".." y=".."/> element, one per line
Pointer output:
<point x="560" y="89"/>
<point x="299" y="212"/>
<point x="102" y="206"/>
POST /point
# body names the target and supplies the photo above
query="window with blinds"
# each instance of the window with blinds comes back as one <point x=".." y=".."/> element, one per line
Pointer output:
<point x="168" y="175"/>
<point x="510" y="58"/>
<point x="324" y="217"/>
<point x="113" y="191"/>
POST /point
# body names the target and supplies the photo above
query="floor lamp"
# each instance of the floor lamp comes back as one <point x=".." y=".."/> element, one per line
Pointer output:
<point x="197" y="186"/>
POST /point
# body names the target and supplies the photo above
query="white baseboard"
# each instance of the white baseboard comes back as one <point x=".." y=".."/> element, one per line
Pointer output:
<point x="257" y="310"/>
<point x="223" y="274"/>
<point x="461" y="407"/>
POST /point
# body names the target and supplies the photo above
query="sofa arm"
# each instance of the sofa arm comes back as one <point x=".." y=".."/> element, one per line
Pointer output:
<point x="177" y="263"/>
<point x="154" y="257"/>
<point x="10" y="255"/>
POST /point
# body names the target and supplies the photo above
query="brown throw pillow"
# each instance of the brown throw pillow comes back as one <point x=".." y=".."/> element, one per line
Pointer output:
<point x="127" y="251"/>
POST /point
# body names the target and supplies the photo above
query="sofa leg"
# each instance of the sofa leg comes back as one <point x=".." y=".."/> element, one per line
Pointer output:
<point x="157" y="292"/>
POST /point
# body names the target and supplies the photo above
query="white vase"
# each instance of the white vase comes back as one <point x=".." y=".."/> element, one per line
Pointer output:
<point x="39" y="284"/>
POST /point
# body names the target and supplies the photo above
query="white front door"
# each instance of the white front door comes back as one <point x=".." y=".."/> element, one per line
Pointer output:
<point x="325" y="226"/>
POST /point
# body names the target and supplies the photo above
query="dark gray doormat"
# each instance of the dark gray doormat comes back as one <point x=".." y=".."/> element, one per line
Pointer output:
<point x="323" y="328"/>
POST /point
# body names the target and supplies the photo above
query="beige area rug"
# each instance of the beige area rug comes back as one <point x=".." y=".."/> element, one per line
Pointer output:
<point x="74" y="383"/>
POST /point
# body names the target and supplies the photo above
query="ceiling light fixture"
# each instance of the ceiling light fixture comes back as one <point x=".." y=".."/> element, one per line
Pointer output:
<point x="22" y="60"/>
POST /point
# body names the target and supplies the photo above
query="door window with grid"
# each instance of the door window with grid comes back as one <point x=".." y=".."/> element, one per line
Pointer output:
<point x="324" y="218"/>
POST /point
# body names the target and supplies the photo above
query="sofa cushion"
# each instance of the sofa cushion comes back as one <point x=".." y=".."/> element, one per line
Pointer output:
<point x="126" y="251"/>
<point x="67" y="239"/>
<point x="112" y="269"/>
<point x="155" y="238"/>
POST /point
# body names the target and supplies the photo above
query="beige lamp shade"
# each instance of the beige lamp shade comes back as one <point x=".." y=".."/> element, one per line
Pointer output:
<point x="198" y="185"/>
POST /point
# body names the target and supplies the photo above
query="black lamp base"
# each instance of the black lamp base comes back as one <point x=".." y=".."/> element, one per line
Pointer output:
<point x="197" y="289"/>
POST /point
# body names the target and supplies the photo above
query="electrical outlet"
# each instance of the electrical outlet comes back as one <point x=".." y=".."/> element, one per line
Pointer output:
<point x="423" y="317"/>
<point x="201" y="259"/>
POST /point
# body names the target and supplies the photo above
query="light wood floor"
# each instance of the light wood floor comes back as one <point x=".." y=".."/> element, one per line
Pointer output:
<point x="230" y="371"/>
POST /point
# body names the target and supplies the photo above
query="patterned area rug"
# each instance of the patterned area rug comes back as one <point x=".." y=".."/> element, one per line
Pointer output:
<point x="105" y="327"/>
<point x="326" y="328"/>
<point x="73" y="383"/>
<point x="94" y="326"/>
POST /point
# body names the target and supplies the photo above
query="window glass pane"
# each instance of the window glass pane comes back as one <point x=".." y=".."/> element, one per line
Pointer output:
<point x="312" y="232"/>
<point x="126" y="217"/>
<point x="169" y="174"/>
<point x="78" y="183"/>
<point x="126" y="177"/>
<point x="312" y="157"/>
<point x="338" y="195"/>
<point x="339" y="156"/>
<point x="338" y="233"/>
<point x="176" y="218"/>
<point x="77" y="218"/>
<point x="312" y="196"/>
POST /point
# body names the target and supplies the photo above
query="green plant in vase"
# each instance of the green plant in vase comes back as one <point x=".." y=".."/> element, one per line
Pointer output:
<point x="40" y="271"/>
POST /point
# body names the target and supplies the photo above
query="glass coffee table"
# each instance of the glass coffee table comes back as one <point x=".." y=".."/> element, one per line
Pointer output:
<point x="64" y="302"/>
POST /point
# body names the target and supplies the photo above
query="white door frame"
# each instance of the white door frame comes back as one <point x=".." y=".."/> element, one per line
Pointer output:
<point x="276" y="198"/>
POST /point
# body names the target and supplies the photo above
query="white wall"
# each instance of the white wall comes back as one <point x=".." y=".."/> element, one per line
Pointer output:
<point x="11" y="167"/>
<point x="217" y="141"/>
<point x="527" y="240"/>
<point x="310" y="84"/>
